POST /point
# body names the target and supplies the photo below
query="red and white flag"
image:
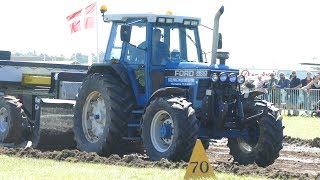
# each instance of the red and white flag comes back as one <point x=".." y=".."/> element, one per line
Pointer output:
<point x="89" y="16"/>
<point x="83" y="18"/>
<point x="74" y="20"/>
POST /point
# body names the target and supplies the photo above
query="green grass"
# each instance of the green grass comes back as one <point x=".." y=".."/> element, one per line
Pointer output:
<point x="301" y="127"/>
<point x="27" y="168"/>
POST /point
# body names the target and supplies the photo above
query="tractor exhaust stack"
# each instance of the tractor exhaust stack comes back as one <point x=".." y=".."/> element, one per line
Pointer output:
<point x="215" y="37"/>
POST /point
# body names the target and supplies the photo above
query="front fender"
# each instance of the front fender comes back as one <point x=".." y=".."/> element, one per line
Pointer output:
<point x="167" y="91"/>
<point x="253" y="94"/>
<point x="253" y="106"/>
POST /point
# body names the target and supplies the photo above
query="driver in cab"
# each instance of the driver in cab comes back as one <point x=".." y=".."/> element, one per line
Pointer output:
<point x="160" y="50"/>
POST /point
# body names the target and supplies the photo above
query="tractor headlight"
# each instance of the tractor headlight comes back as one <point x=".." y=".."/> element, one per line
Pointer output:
<point x="214" y="77"/>
<point x="241" y="79"/>
<point x="232" y="77"/>
<point x="223" y="77"/>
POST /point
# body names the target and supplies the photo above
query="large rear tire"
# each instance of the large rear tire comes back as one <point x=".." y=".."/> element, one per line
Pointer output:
<point x="11" y="128"/>
<point x="103" y="106"/>
<point x="265" y="139"/>
<point x="170" y="129"/>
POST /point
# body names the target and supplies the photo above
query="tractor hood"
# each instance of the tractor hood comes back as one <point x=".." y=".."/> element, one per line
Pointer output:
<point x="203" y="66"/>
<point x="190" y="73"/>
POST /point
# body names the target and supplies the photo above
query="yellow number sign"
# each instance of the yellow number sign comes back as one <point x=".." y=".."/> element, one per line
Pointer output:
<point x="199" y="165"/>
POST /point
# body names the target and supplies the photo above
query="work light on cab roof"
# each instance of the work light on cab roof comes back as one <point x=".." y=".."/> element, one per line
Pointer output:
<point x="103" y="9"/>
<point x="169" y="12"/>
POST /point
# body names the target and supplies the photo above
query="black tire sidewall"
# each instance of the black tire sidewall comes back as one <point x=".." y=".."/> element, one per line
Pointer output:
<point x="88" y="87"/>
<point x="270" y="140"/>
<point x="146" y="131"/>
<point x="178" y="116"/>
<point x="269" y="143"/>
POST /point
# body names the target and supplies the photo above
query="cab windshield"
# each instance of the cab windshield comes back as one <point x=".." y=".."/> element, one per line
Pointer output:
<point x="182" y="43"/>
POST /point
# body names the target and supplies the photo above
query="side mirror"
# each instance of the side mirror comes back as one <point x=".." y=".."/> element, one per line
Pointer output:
<point x="220" y="41"/>
<point x="125" y="33"/>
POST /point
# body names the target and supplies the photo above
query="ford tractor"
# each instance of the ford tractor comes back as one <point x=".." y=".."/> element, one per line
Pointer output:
<point x="159" y="90"/>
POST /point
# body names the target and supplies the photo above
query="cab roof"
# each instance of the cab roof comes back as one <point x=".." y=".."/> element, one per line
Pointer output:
<point x="149" y="16"/>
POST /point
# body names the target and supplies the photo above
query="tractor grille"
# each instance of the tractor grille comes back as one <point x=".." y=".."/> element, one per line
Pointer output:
<point x="203" y="85"/>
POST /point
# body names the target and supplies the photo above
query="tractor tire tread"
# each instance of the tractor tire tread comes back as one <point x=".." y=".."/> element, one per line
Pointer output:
<point x="186" y="122"/>
<point x="121" y="101"/>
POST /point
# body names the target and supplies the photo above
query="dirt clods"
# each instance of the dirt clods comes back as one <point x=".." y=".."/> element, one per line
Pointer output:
<point x="303" y="142"/>
<point x="315" y="142"/>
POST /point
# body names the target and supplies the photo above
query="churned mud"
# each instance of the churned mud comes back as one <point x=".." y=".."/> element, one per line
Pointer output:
<point x="303" y="142"/>
<point x="299" y="159"/>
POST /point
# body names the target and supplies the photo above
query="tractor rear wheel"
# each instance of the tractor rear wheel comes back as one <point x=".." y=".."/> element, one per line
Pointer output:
<point x="169" y="129"/>
<point x="264" y="143"/>
<point x="103" y="106"/>
<point x="11" y="128"/>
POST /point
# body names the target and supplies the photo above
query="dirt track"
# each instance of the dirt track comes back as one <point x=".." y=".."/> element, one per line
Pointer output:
<point x="298" y="159"/>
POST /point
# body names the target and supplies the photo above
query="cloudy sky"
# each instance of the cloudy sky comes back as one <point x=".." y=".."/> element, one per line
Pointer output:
<point x="264" y="33"/>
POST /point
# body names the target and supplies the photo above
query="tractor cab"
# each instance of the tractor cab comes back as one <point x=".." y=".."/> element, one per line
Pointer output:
<point x="156" y="45"/>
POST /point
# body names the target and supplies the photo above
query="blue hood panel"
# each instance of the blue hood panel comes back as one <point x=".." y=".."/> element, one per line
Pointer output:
<point x="194" y="65"/>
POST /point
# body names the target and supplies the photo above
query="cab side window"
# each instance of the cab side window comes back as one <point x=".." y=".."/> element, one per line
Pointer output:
<point x="134" y="53"/>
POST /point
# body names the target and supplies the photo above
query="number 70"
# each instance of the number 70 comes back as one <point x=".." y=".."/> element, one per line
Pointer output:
<point x="203" y="166"/>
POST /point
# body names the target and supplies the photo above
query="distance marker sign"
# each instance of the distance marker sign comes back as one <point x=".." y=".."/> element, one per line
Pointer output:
<point x="199" y="165"/>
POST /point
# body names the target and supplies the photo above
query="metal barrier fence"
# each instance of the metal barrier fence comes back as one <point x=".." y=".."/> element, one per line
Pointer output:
<point x="294" y="99"/>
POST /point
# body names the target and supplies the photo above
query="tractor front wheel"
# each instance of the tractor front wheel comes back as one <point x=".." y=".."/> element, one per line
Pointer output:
<point x="264" y="142"/>
<point x="170" y="129"/>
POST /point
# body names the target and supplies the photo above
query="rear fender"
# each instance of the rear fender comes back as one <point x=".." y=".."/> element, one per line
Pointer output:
<point x="115" y="69"/>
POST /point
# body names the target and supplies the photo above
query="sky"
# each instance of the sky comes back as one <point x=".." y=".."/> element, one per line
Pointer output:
<point x="261" y="34"/>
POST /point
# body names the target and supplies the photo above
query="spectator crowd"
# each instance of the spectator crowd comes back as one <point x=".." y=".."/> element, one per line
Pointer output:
<point x="289" y="89"/>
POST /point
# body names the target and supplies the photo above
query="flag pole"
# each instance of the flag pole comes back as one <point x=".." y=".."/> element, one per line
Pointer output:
<point x="97" y="31"/>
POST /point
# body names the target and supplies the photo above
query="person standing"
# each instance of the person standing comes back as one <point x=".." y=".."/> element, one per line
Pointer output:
<point x="259" y="83"/>
<point x="306" y="80"/>
<point x="283" y="82"/>
<point x="306" y="97"/>
<point x="295" y="85"/>
<point x="272" y="82"/>
<point x="282" y="85"/>
<point x="314" y="84"/>
<point x="271" y="85"/>
<point x="313" y="90"/>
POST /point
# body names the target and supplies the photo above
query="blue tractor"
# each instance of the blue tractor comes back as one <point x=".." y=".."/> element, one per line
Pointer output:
<point x="155" y="87"/>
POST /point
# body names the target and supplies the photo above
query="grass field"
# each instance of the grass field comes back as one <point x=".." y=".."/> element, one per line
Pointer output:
<point x="301" y="127"/>
<point x="27" y="168"/>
